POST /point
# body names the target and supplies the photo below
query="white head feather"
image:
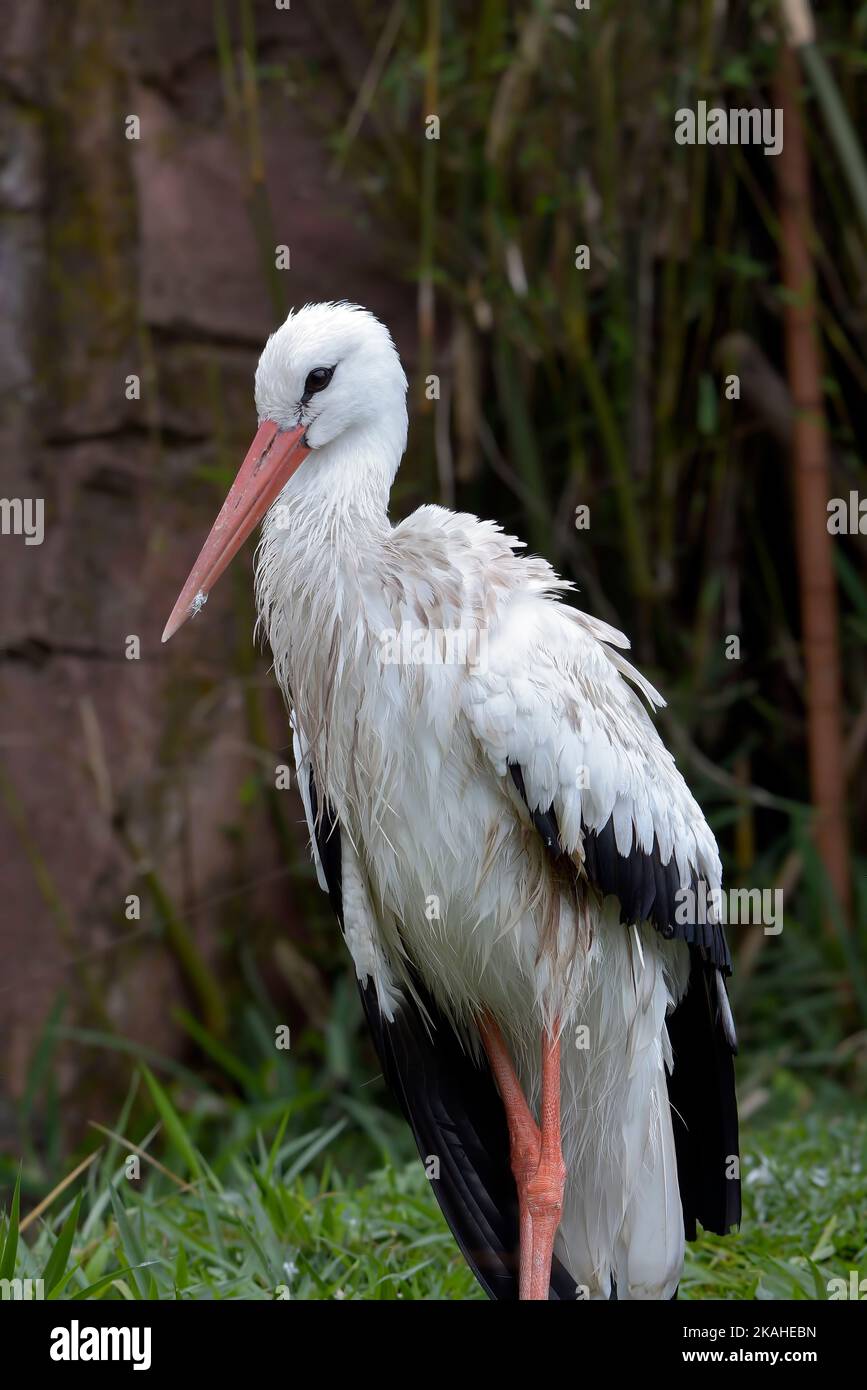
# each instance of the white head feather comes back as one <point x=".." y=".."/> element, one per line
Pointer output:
<point x="360" y="416"/>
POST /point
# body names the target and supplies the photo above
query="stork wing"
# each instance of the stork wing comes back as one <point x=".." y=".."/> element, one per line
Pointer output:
<point x="556" y="719"/>
<point x="449" y="1101"/>
<point x="553" y="712"/>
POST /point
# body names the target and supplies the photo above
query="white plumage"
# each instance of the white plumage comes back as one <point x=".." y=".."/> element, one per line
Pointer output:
<point x="445" y="876"/>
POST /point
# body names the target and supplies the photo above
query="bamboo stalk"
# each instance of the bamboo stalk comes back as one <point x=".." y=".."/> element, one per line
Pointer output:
<point x="426" y="305"/>
<point x="810" y="457"/>
<point x="792" y="867"/>
<point x="801" y="34"/>
<point x="634" y="532"/>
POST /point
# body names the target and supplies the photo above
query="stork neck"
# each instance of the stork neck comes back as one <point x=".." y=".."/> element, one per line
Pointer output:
<point x="319" y="542"/>
<point x="340" y="495"/>
<point x="325" y="529"/>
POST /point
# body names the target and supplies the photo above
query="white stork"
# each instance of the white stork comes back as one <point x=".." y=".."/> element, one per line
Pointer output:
<point x="505" y="839"/>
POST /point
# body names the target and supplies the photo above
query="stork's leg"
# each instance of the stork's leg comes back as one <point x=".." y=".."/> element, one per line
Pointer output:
<point x="537" y="1159"/>
<point x="546" y="1186"/>
<point x="524" y="1138"/>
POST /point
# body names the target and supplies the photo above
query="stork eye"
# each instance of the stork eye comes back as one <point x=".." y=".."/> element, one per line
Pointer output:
<point x="317" y="380"/>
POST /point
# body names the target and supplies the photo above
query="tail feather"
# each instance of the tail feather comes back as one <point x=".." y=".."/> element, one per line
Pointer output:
<point x="701" y="1089"/>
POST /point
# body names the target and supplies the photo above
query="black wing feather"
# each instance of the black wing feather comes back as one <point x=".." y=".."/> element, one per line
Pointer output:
<point x="646" y="889"/>
<point x="701" y="1090"/>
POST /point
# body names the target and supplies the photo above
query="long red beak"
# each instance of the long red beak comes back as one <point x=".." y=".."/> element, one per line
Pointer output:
<point x="271" y="460"/>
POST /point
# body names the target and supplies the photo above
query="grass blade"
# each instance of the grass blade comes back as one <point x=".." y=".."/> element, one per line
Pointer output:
<point x="59" y="1257"/>
<point x="10" y="1245"/>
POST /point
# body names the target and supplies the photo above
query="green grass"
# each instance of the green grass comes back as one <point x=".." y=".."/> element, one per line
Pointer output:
<point x="805" y="1198"/>
<point x="282" y="1220"/>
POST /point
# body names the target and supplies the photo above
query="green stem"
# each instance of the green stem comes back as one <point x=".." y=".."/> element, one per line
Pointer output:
<point x="842" y="131"/>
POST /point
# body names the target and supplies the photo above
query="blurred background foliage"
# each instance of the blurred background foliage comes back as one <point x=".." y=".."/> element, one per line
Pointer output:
<point x="604" y="387"/>
<point x="559" y="388"/>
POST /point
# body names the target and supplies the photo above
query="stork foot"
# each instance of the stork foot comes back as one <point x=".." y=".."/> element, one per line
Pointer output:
<point x="537" y="1158"/>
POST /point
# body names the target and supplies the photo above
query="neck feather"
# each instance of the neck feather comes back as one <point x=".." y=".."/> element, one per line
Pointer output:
<point x="319" y="539"/>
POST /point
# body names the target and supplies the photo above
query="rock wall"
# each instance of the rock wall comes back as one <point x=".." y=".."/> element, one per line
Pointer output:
<point x="145" y="257"/>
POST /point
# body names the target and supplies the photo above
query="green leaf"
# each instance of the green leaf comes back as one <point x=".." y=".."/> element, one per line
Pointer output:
<point x="57" y="1291"/>
<point x="231" y="1064"/>
<point x="59" y="1257"/>
<point x="10" y="1247"/>
<point x="317" y="1144"/>
<point x="106" y="1280"/>
<point x="173" y="1123"/>
<point x="132" y="1249"/>
<point x="708" y="404"/>
<point x="738" y="72"/>
<point x="182" y="1277"/>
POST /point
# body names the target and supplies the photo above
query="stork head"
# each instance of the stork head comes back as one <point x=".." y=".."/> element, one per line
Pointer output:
<point x="331" y="396"/>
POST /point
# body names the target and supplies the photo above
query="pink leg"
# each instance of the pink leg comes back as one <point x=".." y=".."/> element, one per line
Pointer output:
<point x="537" y="1159"/>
